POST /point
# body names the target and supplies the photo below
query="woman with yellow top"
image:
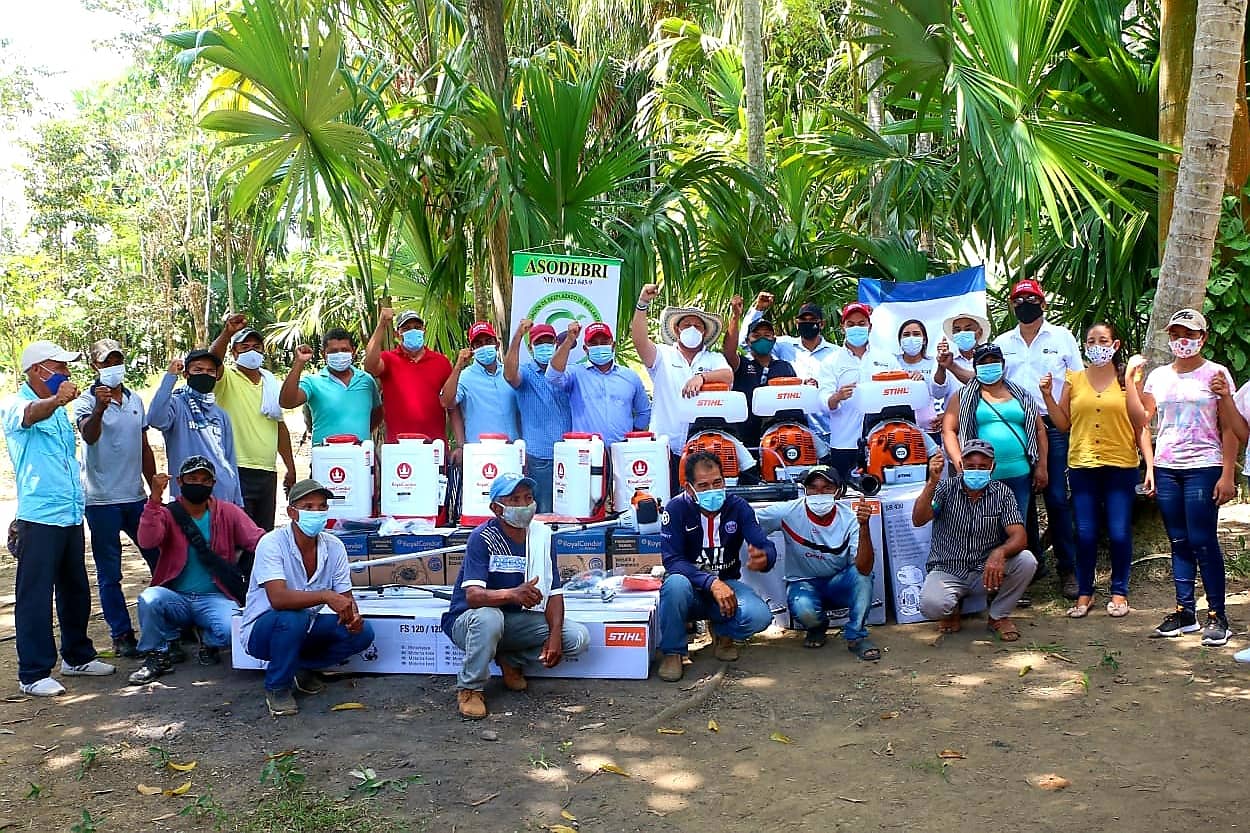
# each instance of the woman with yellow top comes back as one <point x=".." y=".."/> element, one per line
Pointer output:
<point x="1102" y="463"/>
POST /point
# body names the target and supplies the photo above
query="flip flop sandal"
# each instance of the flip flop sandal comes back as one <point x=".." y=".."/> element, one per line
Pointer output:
<point x="864" y="649"/>
<point x="951" y="624"/>
<point x="1079" y="611"/>
<point x="1117" y="609"/>
<point x="815" y="640"/>
<point x="1005" y="629"/>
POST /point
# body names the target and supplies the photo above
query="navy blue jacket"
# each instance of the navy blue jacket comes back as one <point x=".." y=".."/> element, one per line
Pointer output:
<point x="684" y="532"/>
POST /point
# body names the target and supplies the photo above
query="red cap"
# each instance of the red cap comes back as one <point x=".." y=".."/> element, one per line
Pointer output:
<point x="598" y="328"/>
<point x="856" y="306"/>
<point x="1028" y="287"/>
<point x="540" y="330"/>
<point x="481" y="328"/>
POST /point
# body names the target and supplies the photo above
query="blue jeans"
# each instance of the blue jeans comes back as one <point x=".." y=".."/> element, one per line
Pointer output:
<point x="1191" y="518"/>
<point x="680" y="603"/>
<point x="810" y="598"/>
<point x="107" y="523"/>
<point x="51" y="563"/>
<point x="1022" y="488"/>
<point x="543" y="472"/>
<point x="1103" y="498"/>
<point x="296" y="640"/>
<point x="1058" y="508"/>
<point x="164" y="612"/>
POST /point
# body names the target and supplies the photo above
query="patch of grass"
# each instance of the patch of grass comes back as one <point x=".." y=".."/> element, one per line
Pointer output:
<point x="369" y="784"/>
<point x="1109" y="661"/>
<point x="160" y="758"/>
<point x="35" y="792"/>
<point x="89" y="756"/>
<point x="933" y="767"/>
<point x="311" y="811"/>
<point x="1237" y="562"/>
<point x="281" y="772"/>
<point x="540" y="761"/>
<point x="86" y="824"/>
<point x="206" y="808"/>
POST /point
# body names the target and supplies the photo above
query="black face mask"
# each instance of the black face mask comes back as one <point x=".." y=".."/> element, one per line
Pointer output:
<point x="809" y="329"/>
<point x="1028" y="313"/>
<point x="196" y="492"/>
<point x="202" y="382"/>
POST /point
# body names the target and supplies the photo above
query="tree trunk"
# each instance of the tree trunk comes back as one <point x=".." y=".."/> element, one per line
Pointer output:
<point x="1204" y="162"/>
<point x="875" y="119"/>
<point x="1176" y="60"/>
<point x="1239" y="155"/>
<point x="753" y="77"/>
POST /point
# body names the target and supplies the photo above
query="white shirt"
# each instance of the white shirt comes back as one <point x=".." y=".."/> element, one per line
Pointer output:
<point x="803" y="561"/>
<point x="846" y="423"/>
<point x="1053" y="351"/>
<point x="278" y="557"/>
<point x="1242" y="400"/>
<point x="669" y="374"/>
<point x="926" y="367"/>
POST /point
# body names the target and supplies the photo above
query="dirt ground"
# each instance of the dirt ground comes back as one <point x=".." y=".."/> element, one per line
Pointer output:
<point x="1152" y="735"/>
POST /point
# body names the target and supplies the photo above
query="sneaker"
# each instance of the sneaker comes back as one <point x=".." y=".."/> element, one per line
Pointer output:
<point x="95" y="668"/>
<point x="1068" y="587"/>
<point x="513" y="677"/>
<point x="472" y="704"/>
<point x="175" y="651"/>
<point x="1215" y="633"/>
<point x="125" y="646"/>
<point x="309" y="682"/>
<point x="209" y="656"/>
<point x="47" y="687"/>
<point x="281" y="703"/>
<point x="156" y="664"/>
<point x="672" y="667"/>
<point x="725" y="649"/>
<point x="1243" y="655"/>
<point x="1176" y="623"/>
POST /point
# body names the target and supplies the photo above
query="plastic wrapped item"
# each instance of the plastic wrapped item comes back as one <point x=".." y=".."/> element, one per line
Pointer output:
<point x="405" y="526"/>
<point x="586" y="580"/>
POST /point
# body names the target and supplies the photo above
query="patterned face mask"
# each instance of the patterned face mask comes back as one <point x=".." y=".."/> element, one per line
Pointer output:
<point x="1099" y="354"/>
<point x="1185" y="348"/>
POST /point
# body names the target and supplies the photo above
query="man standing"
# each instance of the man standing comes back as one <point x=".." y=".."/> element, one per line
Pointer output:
<point x="965" y="331"/>
<point x="50" y="545"/>
<point x="544" y="408"/>
<point x="829" y="560"/>
<point x="342" y="398"/>
<point x="197" y="580"/>
<point x="250" y="395"/>
<point x="1031" y="350"/>
<point x="806" y="352"/>
<point x="193" y="424"/>
<point x="496" y="612"/>
<point x="487" y="403"/>
<point x="300" y="571"/>
<point x="855" y="362"/>
<point x="605" y="397"/>
<point x="978" y="542"/>
<point x="755" y="369"/>
<point x="700" y="541"/>
<point x="115" y="463"/>
<point x="411" y="376"/>
<point x="679" y="367"/>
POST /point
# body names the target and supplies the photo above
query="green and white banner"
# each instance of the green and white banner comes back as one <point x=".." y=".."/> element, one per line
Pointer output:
<point x="558" y="289"/>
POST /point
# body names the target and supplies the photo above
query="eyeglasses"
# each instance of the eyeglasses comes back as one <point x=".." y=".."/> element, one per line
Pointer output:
<point x="1025" y="299"/>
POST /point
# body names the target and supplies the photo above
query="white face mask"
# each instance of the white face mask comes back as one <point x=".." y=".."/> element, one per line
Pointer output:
<point x="111" y="377"/>
<point x="1099" y="354"/>
<point x="251" y="360"/>
<point x="821" y="505"/>
<point x="691" y="338"/>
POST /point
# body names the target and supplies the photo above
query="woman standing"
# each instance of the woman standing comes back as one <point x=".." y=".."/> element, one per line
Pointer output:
<point x="1105" y="430"/>
<point x="913" y="357"/>
<point x="1195" y="460"/>
<point x="1003" y="414"/>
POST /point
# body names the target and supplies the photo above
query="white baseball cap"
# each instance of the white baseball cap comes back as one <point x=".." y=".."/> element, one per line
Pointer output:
<point x="45" y="351"/>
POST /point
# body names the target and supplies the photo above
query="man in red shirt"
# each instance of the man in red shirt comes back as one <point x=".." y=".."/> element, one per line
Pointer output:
<point x="410" y="376"/>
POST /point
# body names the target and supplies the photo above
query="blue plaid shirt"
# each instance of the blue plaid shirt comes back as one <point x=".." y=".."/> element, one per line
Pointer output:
<point x="545" y="415"/>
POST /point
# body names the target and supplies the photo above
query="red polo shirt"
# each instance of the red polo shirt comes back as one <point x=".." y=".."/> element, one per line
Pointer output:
<point x="410" y="393"/>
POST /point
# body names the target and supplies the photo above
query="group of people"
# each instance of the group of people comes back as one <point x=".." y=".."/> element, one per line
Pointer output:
<point x="1028" y="417"/>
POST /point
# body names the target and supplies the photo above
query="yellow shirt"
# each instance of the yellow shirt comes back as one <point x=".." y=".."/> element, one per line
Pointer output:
<point x="1102" y="434"/>
<point x="255" y="435"/>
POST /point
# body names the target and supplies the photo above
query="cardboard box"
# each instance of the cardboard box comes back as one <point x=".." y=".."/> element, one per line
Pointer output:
<point x="634" y="564"/>
<point x="571" y="565"/>
<point x="419" y="570"/>
<point x="356" y="543"/>
<point x="408" y="638"/>
<point x="585" y="542"/>
<point x="631" y="543"/>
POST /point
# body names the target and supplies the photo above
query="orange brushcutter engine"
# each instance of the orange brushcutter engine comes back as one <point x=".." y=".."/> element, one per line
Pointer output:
<point x="893" y="449"/>
<point x="785" y="447"/>
<point x="718" y="443"/>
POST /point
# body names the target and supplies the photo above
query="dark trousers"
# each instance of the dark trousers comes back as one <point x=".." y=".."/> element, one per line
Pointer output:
<point x="260" y="496"/>
<point x="51" y="562"/>
<point x="1058" y="506"/>
<point x="1191" y="516"/>
<point x="107" y="523"/>
<point x="1102" y="500"/>
<point x="295" y="640"/>
<point x="843" y="460"/>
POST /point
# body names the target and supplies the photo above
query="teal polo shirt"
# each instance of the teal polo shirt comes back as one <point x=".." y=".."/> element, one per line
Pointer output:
<point x="49" y="489"/>
<point x="339" y="408"/>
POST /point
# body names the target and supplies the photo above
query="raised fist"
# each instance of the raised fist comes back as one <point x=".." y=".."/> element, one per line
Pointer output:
<point x="235" y="322"/>
<point x="945" y="357"/>
<point x="160" y="482"/>
<point x="175" y="367"/>
<point x="66" y="393"/>
<point x="525" y="326"/>
<point x="763" y="301"/>
<point x="937" y="464"/>
<point x="303" y="354"/>
<point x="574" y="329"/>
<point x="1047" y="384"/>
<point x="649" y="293"/>
<point x="735" y="306"/>
<point x="387" y="315"/>
<point x="464" y="358"/>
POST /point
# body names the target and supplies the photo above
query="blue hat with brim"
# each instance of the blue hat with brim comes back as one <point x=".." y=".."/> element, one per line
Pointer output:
<point x="507" y="483"/>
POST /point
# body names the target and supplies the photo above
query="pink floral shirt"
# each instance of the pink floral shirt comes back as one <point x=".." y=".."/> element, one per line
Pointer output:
<point x="1188" y="435"/>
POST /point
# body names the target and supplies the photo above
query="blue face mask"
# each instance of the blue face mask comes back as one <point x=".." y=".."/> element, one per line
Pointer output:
<point x="311" y="522"/>
<point x="601" y="354"/>
<point x="976" y="479"/>
<point x="857" y="336"/>
<point x="486" y="355"/>
<point x="911" y="345"/>
<point x="965" y="340"/>
<point x="55" y="381"/>
<point x="543" y="353"/>
<point x="710" y="501"/>
<point x="414" y="339"/>
<point x="988" y="374"/>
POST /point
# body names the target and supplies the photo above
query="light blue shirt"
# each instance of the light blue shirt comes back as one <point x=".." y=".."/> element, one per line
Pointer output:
<point x="49" y="489"/>
<point x="487" y="402"/>
<point x="608" y="404"/>
<point x="339" y="408"/>
<point x="544" y="411"/>
<point x="184" y="438"/>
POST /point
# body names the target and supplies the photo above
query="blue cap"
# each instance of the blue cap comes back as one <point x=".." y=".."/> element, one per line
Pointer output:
<point x="507" y="483"/>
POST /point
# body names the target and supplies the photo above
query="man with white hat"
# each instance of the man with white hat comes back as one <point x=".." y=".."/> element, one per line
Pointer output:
<point x="251" y="396"/>
<point x="50" y="543"/>
<point x="679" y="367"/>
<point x="115" y="463"/>
<point x="964" y="330"/>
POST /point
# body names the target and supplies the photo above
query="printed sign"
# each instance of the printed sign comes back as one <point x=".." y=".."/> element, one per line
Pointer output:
<point x="559" y="289"/>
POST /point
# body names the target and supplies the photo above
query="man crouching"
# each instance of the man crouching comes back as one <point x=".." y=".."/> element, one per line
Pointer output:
<point x="508" y="602"/>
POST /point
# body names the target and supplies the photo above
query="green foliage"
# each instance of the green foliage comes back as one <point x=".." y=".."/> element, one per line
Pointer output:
<point x="281" y="772"/>
<point x="85" y="824"/>
<point x="1228" y="290"/>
